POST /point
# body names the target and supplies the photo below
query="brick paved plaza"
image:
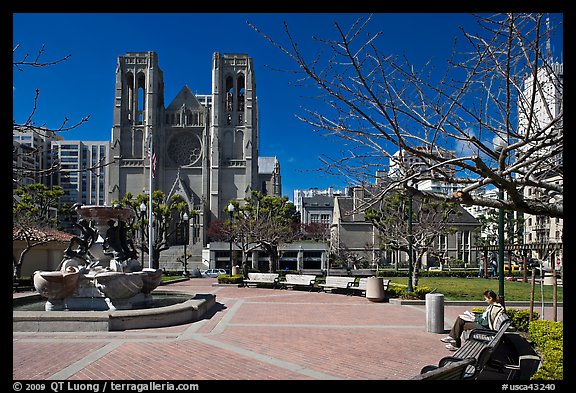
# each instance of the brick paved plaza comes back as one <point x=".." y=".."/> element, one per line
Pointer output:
<point x="252" y="334"/>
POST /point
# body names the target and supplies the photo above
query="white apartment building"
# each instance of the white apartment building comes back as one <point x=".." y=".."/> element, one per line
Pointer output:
<point x="82" y="172"/>
<point x="300" y="194"/>
<point x="31" y="156"/>
<point x="548" y="104"/>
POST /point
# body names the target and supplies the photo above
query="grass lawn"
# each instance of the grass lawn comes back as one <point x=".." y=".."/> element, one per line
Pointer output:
<point x="454" y="288"/>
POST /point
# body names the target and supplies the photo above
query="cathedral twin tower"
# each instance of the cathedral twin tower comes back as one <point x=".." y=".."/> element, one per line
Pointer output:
<point x="206" y="146"/>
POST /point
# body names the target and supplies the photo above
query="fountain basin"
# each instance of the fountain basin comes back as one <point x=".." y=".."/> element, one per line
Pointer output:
<point x="118" y="285"/>
<point x="187" y="311"/>
<point x="103" y="214"/>
<point x="151" y="278"/>
<point x="56" y="284"/>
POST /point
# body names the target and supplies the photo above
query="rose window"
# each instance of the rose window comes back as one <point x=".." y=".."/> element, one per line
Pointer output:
<point x="185" y="149"/>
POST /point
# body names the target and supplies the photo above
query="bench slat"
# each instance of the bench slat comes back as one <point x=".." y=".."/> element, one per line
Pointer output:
<point x="298" y="280"/>
<point x="261" y="278"/>
<point x="336" y="282"/>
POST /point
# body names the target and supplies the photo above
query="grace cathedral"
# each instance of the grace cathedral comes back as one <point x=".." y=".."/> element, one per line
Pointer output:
<point x="206" y="146"/>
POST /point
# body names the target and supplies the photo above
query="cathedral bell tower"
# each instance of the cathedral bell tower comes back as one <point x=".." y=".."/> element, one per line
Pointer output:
<point x="234" y="130"/>
<point x="138" y="109"/>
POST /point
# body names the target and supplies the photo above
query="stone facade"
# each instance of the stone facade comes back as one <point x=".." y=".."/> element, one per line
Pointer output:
<point x="205" y="146"/>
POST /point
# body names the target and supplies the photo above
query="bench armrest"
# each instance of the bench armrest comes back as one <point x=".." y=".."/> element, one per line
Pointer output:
<point x="429" y="367"/>
<point x="448" y="359"/>
<point x="452" y="359"/>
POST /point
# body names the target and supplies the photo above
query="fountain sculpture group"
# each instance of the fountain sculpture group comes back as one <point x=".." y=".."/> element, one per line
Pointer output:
<point x="99" y="270"/>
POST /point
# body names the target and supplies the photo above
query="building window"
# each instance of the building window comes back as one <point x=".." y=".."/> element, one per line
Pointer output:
<point x="229" y="94"/>
<point x="241" y="92"/>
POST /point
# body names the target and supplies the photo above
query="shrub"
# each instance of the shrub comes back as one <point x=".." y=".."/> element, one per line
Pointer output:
<point x="401" y="291"/>
<point x="421" y="291"/>
<point x="396" y="290"/>
<point x="521" y="318"/>
<point x="548" y="337"/>
<point x="23" y="281"/>
<point x="226" y="279"/>
<point x="283" y="273"/>
<point x="541" y="332"/>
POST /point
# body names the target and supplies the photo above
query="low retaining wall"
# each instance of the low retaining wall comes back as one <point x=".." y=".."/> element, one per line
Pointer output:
<point x="90" y="321"/>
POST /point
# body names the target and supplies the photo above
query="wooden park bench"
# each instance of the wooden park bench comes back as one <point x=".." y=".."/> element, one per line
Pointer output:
<point x="292" y="281"/>
<point x="336" y="283"/>
<point x="360" y="286"/>
<point x="261" y="279"/>
<point x="480" y="345"/>
<point x="454" y="370"/>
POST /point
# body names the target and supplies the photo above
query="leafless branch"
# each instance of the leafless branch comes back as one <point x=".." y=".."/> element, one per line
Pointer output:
<point x="385" y="109"/>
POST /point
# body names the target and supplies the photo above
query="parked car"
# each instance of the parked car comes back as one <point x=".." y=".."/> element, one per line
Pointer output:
<point x="213" y="272"/>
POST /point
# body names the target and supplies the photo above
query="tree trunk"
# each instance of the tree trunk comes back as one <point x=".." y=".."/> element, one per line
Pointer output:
<point x="155" y="259"/>
<point x="485" y="269"/>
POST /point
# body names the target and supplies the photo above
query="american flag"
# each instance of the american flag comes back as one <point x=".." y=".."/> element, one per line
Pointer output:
<point x="153" y="159"/>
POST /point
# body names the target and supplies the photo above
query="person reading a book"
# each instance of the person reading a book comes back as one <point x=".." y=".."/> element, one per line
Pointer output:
<point x="468" y="321"/>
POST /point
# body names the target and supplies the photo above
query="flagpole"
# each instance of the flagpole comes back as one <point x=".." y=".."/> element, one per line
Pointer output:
<point x="150" y="213"/>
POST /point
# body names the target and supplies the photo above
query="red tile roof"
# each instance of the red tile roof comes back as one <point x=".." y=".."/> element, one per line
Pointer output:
<point x="40" y="234"/>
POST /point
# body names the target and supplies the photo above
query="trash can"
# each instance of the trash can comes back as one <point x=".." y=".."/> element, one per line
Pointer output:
<point x="435" y="312"/>
<point x="375" y="289"/>
<point x="236" y="270"/>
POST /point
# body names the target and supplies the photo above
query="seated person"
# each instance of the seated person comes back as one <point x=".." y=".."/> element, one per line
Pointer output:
<point x="484" y="321"/>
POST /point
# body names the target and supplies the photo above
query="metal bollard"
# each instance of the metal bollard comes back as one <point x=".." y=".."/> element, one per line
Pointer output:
<point x="435" y="312"/>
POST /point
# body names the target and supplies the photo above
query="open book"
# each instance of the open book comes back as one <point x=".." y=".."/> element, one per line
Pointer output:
<point x="468" y="316"/>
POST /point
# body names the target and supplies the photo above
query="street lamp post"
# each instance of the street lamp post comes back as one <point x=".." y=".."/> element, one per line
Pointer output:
<point x="501" y="248"/>
<point x="410" y="242"/>
<point x="185" y="218"/>
<point x="499" y="145"/>
<point x="231" y="212"/>
<point x="142" y="214"/>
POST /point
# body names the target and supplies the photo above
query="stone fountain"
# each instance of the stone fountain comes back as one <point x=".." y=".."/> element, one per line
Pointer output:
<point x="99" y="270"/>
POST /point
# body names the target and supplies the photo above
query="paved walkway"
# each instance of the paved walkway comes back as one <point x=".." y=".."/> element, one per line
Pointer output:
<point x="252" y="334"/>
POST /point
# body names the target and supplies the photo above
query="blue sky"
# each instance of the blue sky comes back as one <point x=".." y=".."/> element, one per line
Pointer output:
<point x="84" y="84"/>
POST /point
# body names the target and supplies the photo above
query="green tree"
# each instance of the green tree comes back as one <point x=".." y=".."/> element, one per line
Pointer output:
<point x="34" y="208"/>
<point x="263" y="221"/>
<point x="167" y="214"/>
<point x="430" y="218"/>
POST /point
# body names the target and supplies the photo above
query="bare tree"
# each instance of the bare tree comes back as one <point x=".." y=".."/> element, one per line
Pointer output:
<point x="432" y="219"/>
<point x="20" y="62"/>
<point x="263" y="221"/>
<point x="464" y="124"/>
